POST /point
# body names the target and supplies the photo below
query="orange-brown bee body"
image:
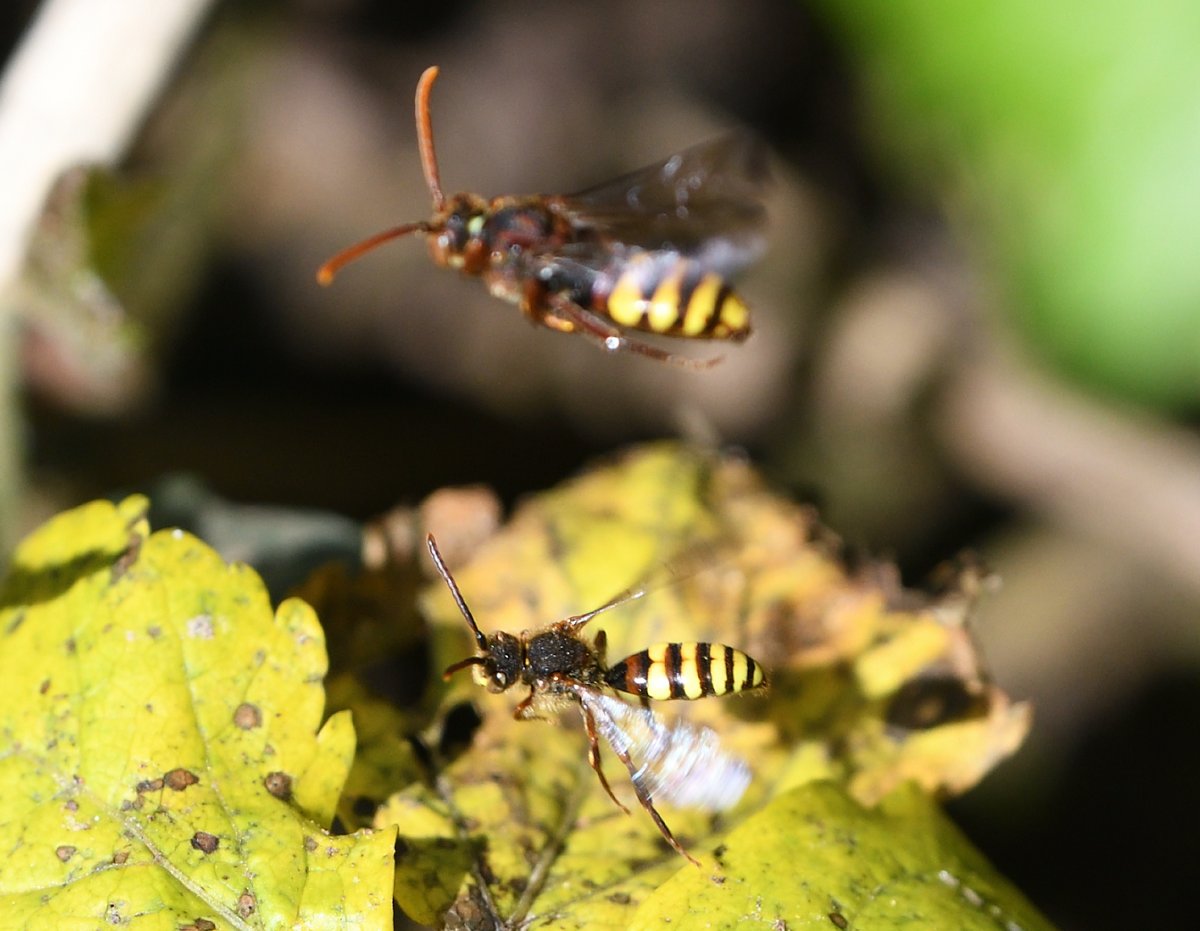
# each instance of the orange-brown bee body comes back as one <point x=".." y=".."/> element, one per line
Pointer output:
<point x="650" y="253"/>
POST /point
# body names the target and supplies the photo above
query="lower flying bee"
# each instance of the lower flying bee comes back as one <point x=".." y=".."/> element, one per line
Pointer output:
<point x="649" y="252"/>
<point x="677" y="762"/>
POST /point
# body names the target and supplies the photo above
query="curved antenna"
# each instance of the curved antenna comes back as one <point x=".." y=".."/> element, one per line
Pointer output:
<point x="425" y="137"/>
<point x="462" y="664"/>
<point x="458" y="600"/>
<point x="326" y="272"/>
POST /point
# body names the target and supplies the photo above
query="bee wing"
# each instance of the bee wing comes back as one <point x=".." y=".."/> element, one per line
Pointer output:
<point x="703" y="203"/>
<point x="678" y="762"/>
<point x="684" y="565"/>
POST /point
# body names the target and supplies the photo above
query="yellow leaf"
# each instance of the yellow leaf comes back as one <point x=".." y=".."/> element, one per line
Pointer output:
<point x="814" y="858"/>
<point x="872" y="687"/>
<point x="165" y="761"/>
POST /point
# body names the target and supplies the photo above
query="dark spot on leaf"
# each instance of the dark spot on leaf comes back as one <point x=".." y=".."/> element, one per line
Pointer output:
<point x="179" y="779"/>
<point x="71" y="805"/>
<point x="154" y="631"/>
<point x="113" y="915"/>
<point x="247" y="905"/>
<point x="205" y="842"/>
<point x="718" y="879"/>
<point x="926" y="703"/>
<point x="149" y="785"/>
<point x="364" y="806"/>
<point x="69" y="646"/>
<point x="64" y="852"/>
<point x="268" y="750"/>
<point x="120" y="857"/>
<point x="310" y="844"/>
<point x="779" y="925"/>
<point x="279" y="785"/>
<point x="44" y="687"/>
<point x="247" y="716"/>
<point x="839" y="920"/>
<point x="620" y="898"/>
<point x="126" y="560"/>
<point x="199" y="924"/>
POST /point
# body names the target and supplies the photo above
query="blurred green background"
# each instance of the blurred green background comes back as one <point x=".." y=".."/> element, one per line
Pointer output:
<point x="977" y="325"/>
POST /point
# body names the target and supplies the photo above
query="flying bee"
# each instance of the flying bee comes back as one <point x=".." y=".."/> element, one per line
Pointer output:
<point x="678" y="762"/>
<point x="650" y="252"/>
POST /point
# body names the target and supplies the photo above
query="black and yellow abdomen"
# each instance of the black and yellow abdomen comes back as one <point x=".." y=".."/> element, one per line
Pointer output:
<point x="667" y="671"/>
<point x="675" y="296"/>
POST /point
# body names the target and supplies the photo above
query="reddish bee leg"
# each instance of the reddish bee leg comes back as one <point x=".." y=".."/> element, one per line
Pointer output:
<point x="522" y="712"/>
<point x="589" y="724"/>
<point x="536" y="309"/>
<point x="648" y="804"/>
<point x="571" y="317"/>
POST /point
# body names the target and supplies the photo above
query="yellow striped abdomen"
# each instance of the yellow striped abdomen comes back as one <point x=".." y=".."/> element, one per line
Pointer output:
<point x="667" y="671"/>
<point x="675" y="296"/>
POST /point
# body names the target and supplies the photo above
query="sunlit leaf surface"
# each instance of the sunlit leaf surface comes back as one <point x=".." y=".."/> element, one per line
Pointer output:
<point x="872" y="687"/>
<point x="163" y="760"/>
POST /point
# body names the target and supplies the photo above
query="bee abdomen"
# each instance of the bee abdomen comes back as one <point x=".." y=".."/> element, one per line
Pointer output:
<point x="676" y="297"/>
<point x="667" y="671"/>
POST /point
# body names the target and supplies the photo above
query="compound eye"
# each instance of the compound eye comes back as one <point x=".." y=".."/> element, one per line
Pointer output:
<point x="500" y="679"/>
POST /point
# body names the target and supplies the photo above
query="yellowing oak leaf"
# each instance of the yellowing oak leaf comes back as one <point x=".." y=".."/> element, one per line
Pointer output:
<point x="162" y="758"/>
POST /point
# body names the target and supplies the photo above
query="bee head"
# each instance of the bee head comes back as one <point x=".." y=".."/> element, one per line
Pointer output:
<point x="502" y="663"/>
<point x="455" y="232"/>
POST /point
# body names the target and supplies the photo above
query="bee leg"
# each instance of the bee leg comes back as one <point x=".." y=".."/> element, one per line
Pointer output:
<point x="589" y="724"/>
<point x="648" y="804"/>
<point x="523" y="711"/>
<point x="536" y="308"/>
<point x="613" y="339"/>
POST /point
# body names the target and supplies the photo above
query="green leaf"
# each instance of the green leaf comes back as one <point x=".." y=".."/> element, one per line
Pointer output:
<point x="814" y="858"/>
<point x="165" y="762"/>
<point x="1069" y="139"/>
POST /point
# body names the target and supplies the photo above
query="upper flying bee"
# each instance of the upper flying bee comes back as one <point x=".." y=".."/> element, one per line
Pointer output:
<point x="679" y="762"/>
<point x="649" y="252"/>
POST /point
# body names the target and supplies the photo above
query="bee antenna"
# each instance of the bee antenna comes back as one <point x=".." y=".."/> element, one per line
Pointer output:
<point x="425" y="137"/>
<point x="458" y="599"/>
<point x="326" y="272"/>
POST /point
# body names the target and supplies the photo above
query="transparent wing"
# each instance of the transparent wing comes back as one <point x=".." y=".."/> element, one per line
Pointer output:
<point x="703" y="203"/>
<point x="678" y="762"/>
<point x="695" y="559"/>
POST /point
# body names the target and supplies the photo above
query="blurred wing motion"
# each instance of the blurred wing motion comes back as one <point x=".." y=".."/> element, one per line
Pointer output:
<point x="703" y="203"/>
<point x="679" y="762"/>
